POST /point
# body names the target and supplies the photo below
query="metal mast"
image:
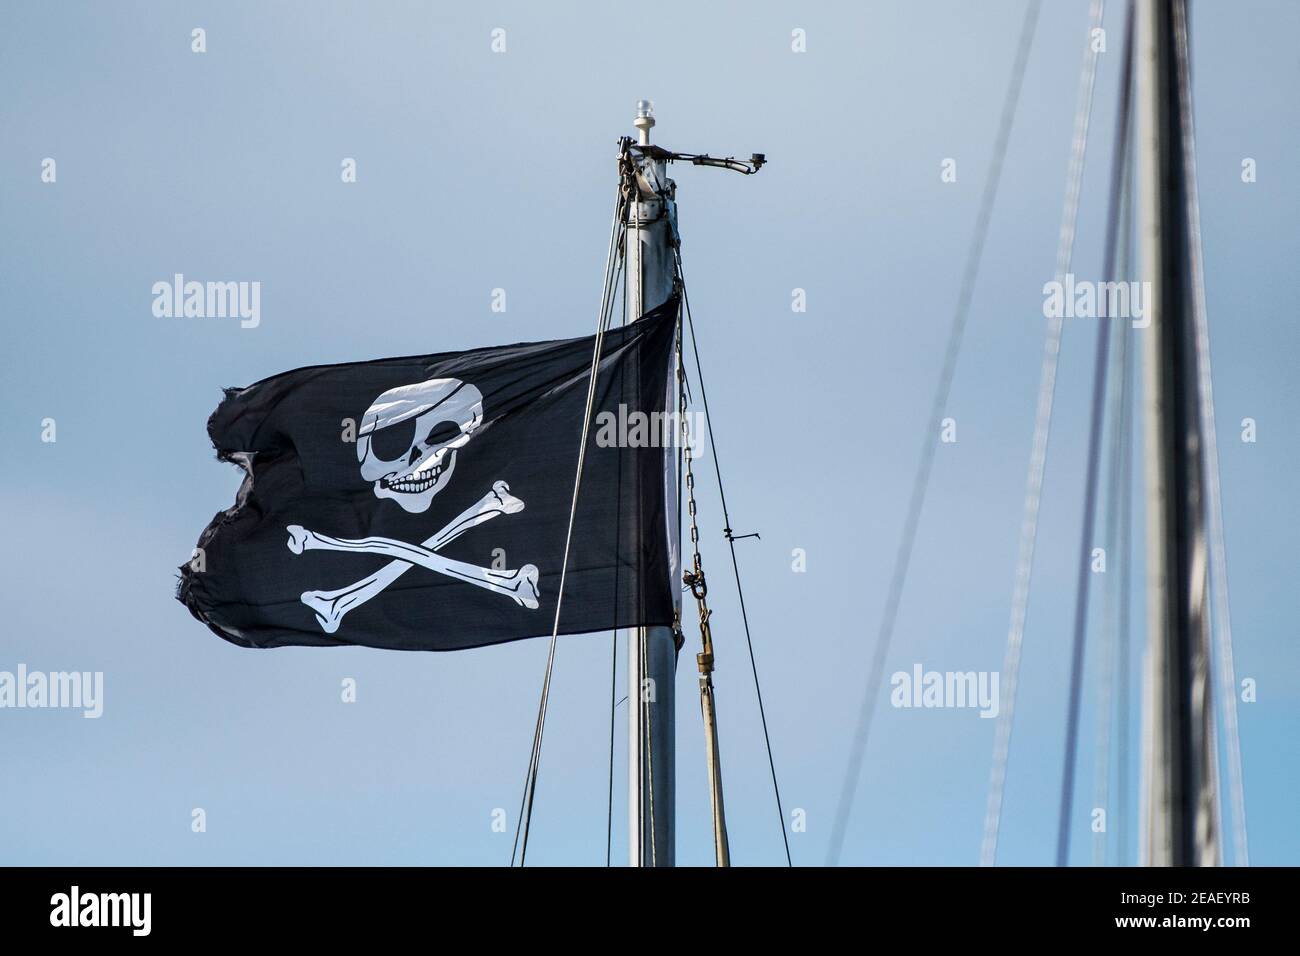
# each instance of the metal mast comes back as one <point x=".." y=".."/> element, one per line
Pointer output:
<point x="652" y="651"/>
<point x="1181" y="822"/>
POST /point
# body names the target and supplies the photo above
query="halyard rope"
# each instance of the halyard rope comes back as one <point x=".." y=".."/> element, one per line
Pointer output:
<point x="1119" y="169"/>
<point x="1038" y="453"/>
<point x="1218" y="552"/>
<point x="534" y="762"/>
<point x="920" y="483"/>
<point x="735" y="565"/>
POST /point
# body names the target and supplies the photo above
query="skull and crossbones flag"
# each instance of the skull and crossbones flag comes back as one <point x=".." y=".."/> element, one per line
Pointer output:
<point x="422" y="503"/>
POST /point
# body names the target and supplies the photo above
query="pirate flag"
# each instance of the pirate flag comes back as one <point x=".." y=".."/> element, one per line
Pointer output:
<point x="422" y="503"/>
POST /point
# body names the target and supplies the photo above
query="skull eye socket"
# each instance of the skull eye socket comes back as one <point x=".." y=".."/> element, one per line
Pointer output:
<point x="394" y="441"/>
<point x="442" y="433"/>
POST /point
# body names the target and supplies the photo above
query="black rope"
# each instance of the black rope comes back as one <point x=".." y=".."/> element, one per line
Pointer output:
<point x="613" y="683"/>
<point x="1119" y="503"/>
<point x="921" y="482"/>
<point x="613" y="640"/>
<point x="735" y="565"/>
<point x="613" y="693"/>
<point x="613" y="269"/>
<point x="1117" y="182"/>
<point x="1119" y="520"/>
<point x="1125" y="595"/>
<point x="1119" y="542"/>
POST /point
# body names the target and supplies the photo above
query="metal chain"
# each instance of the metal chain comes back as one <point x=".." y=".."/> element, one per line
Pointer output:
<point x="694" y="579"/>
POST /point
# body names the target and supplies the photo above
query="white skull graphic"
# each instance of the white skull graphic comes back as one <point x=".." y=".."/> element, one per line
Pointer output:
<point x="409" y="436"/>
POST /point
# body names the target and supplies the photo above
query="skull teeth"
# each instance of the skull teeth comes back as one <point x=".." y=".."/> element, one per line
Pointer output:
<point x="412" y="484"/>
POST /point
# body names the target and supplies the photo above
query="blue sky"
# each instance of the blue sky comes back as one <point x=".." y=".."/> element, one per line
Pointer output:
<point x="479" y="171"/>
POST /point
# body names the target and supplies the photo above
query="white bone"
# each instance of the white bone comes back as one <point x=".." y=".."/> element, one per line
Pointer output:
<point x="331" y="606"/>
<point x="520" y="585"/>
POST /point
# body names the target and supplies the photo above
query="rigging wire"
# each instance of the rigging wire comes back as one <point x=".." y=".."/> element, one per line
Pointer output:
<point x="1105" y="702"/>
<point x="1038" y="454"/>
<point x="1114" y="692"/>
<point x="613" y="683"/>
<point x="1227" y="680"/>
<point x="698" y="585"/>
<point x="613" y="657"/>
<point x="735" y="564"/>
<point x="647" y="741"/>
<point x="921" y="482"/>
<point x="1119" y="170"/>
<point x="1122" y="649"/>
<point x="606" y="305"/>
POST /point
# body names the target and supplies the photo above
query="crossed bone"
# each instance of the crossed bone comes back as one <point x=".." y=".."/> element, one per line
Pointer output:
<point x="330" y="606"/>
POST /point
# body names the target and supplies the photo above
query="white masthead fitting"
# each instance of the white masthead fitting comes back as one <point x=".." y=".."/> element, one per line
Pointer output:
<point x="645" y="119"/>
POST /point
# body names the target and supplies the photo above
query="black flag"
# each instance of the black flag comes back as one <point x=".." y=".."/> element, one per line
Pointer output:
<point x="421" y="503"/>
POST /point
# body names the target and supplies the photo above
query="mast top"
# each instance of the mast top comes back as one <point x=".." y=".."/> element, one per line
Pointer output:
<point x="645" y="119"/>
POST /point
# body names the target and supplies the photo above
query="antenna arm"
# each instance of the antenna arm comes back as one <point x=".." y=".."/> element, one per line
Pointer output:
<point x="746" y="167"/>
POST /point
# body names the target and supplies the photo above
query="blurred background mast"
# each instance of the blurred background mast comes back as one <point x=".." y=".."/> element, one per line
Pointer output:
<point x="1181" y="816"/>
